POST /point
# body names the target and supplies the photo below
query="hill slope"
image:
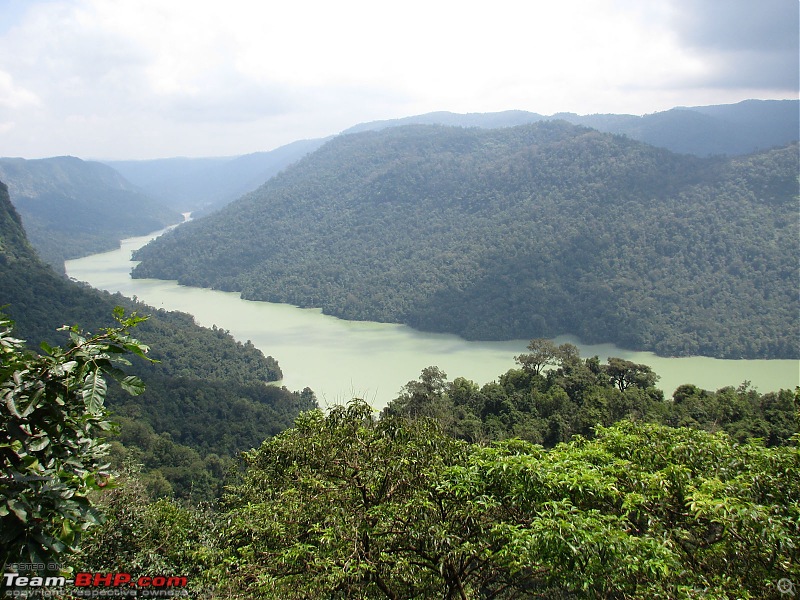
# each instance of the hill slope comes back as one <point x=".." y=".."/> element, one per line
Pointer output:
<point x="206" y="184"/>
<point x="73" y="208"/>
<point x="206" y="396"/>
<point x="531" y="231"/>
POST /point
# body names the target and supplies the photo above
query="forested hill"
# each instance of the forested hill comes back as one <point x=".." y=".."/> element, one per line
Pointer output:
<point x="72" y="208"/>
<point x="530" y="231"/>
<point x="207" y="397"/>
<point x="206" y="184"/>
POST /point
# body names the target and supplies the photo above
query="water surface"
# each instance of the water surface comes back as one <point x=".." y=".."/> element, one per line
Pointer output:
<point x="341" y="359"/>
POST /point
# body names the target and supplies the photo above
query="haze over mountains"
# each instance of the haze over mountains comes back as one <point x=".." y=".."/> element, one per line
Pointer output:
<point x="535" y="229"/>
<point x="191" y="184"/>
<point x="701" y="130"/>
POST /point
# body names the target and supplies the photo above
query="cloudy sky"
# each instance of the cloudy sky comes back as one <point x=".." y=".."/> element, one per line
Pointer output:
<point x="155" y="78"/>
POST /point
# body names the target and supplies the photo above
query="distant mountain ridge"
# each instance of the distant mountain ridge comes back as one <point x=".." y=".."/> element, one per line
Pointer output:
<point x="530" y="231"/>
<point x="71" y="208"/>
<point x="731" y="129"/>
<point x="205" y="184"/>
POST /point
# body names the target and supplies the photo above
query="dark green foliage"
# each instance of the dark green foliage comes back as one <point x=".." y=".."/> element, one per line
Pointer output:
<point x="347" y="506"/>
<point x="73" y="208"/>
<point x="13" y="242"/>
<point x="52" y="424"/>
<point x="531" y="231"/>
<point x="575" y="396"/>
<point x="221" y="416"/>
<point x="339" y="506"/>
<point x="221" y="357"/>
<point x="141" y="536"/>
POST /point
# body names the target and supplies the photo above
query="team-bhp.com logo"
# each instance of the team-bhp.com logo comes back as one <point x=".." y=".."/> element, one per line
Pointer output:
<point x="95" y="585"/>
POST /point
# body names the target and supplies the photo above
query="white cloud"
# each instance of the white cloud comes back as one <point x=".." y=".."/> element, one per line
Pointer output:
<point x="13" y="96"/>
<point x="139" y="78"/>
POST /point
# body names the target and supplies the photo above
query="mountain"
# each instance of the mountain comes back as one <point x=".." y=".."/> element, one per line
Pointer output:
<point x="731" y="129"/>
<point x="520" y="232"/>
<point x="193" y="184"/>
<point x="202" y="185"/>
<point x="206" y="398"/>
<point x="73" y="208"/>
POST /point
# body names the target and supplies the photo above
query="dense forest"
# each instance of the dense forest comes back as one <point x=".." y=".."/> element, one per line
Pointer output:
<point x="133" y="441"/>
<point x="207" y="397"/>
<point x="555" y="395"/>
<point x="522" y="232"/>
<point x="204" y="184"/>
<point x="71" y="208"/>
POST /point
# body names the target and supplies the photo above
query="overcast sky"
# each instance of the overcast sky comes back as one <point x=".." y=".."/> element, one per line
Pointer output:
<point x="121" y="79"/>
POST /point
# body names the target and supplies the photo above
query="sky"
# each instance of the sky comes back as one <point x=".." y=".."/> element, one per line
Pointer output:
<point x="141" y="79"/>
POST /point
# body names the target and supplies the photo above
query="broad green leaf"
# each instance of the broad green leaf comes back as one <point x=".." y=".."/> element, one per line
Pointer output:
<point x="133" y="385"/>
<point x="77" y="339"/>
<point x="37" y="444"/>
<point x="138" y="349"/>
<point x="94" y="391"/>
<point x="33" y="402"/>
<point x="115" y="373"/>
<point x="67" y="533"/>
<point x="18" y="509"/>
<point x="11" y="404"/>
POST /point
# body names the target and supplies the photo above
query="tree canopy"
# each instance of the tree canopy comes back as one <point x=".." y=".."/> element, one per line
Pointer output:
<point x="346" y="505"/>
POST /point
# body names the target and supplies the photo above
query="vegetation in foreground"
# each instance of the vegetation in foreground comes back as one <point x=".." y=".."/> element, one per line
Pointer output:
<point x="349" y="504"/>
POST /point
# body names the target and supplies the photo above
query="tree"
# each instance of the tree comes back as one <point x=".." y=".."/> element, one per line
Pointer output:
<point x="641" y="511"/>
<point x="344" y="505"/>
<point x="625" y="373"/>
<point x="52" y="425"/>
<point x="142" y="535"/>
<point x="348" y="506"/>
<point x="424" y="398"/>
<point x="543" y="353"/>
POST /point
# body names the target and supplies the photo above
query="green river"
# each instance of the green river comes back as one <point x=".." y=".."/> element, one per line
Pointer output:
<point x="341" y="359"/>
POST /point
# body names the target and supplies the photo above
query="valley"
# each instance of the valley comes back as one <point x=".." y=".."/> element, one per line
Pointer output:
<point x="341" y="359"/>
<point x="400" y="301"/>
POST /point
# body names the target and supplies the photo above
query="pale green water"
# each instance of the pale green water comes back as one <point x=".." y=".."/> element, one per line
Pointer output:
<point x="344" y="359"/>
